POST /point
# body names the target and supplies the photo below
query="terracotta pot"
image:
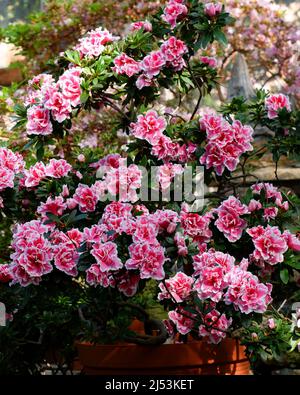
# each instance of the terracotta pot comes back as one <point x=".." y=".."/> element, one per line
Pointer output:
<point x="193" y="358"/>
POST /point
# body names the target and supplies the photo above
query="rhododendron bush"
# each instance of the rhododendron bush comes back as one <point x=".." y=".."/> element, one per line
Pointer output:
<point x="89" y="229"/>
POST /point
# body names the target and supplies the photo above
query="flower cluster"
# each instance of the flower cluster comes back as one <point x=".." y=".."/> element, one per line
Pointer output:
<point x="11" y="164"/>
<point x="56" y="168"/>
<point x="52" y="100"/>
<point x="275" y="103"/>
<point x="93" y="44"/>
<point x="225" y="142"/>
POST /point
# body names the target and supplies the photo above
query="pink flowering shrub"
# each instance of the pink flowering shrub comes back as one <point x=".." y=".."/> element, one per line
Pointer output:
<point x="85" y="224"/>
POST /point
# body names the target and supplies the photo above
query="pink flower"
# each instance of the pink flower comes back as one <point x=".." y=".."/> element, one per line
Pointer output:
<point x="38" y="121"/>
<point x="177" y="288"/>
<point x="59" y="106"/>
<point x="6" y="178"/>
<point x="34" y="175"/>
<point x="254" y="205"/>
<point x="212" y="9"/>
<point x="143" y="81"/>
<point x="124" y="182"/>
<point x="246" y="292"/>
<point x="212" y="269"/>
<point x="293" y="241"/>
<point x="95" y="277"/>
<point x="166" y="174"/>
<point x="181" y="244"/>
<point x="54" y="206"/>
<point x="66" y="258"/>
<point x="69" y="83"/>
<point x="173" y="50"/>
<point x="269" y="244"/>
<point x="212" y="259"/>
<point x="58" y="168"/>
<point x="11" y="160"/>
<point x="146" y="230"/>
<point x="211" y="62"/>
<point x="95" y="234"/>
<point x="275" y="103"/>
<point x="127" y="283"/>
<point x="149" y="127"/>
<point x="148" y="259"/>
<point x="271" y="323"/>
<point x="196" y="226"/>
<point x="126" y="65"/>
<point x="167" y="220"/>
<point x="86" y="198"/>
<point x="32" y="253"/>
<point x="147" y="26"/>
<point x="183" y="323"/>
<point x="226" y="143"/>
<point x="106" y="255"/>
<point x="215" y="326"/>
<point x="270" y="213"/>
<point x="93" y="44"/>
<point x="174" y="12"/>
<point x="229" y="221"/>
<point x="5" y="275"/>
<point x="152" y="64"/>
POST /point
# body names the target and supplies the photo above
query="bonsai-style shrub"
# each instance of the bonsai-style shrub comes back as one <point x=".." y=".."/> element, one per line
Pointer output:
<point x="93" y="232"/>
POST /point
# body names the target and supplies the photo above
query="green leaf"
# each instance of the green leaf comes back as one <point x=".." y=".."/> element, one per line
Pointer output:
<point x="284" y="276"/>
<point x="220" y="36"/>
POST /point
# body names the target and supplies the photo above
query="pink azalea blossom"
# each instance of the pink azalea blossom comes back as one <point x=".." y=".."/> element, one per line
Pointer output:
<point x="127" y="283"/>
<point x="124" y="64"/>
<point x="225" y="142"/>
<point x="86" y="198"/>
<point x="148" y="259"/>
<point x="212" y="9"/>
<point x="216" y="325"/>
<point x="6" y="178"/>
<point x="66" y="258"/>
<point x="275" y="103"/>
<point x="152" y="64"/>
<point x="196" y="226"/>
<point x="246" y="292"/>
<point x="173" y="51"/>
<point x="58" y="168"/>
<point x="149" y="127"/>
<point x="183" y="323"/>
<point x="11" y="160"/>
<point x="106" y="255"/>
<point x="69" y="83"/>
<point x="166" y="174"/>
<point x="5" y="274"/>
<point x="211" y="62"/>
<point x="38" y="121"/>
<point x="55" y="206"/>
<point x="181" y="244"/>
<point x="93" y="44"/>
<point x="143" y="81"/>
<point x="229" y="221"/>
<point x="95" y="277"/>
<point x="269" y="244"/>
<point x="270" y="213"/>
<point x="34" y="175"/>
<point x="293" y="241"/>
<point x="60" y="107"/>
<point x="174" y="12"/>
<point x="95" y="234"/>
<point x="145" y="25"/>
<point x="177" y="288"/>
